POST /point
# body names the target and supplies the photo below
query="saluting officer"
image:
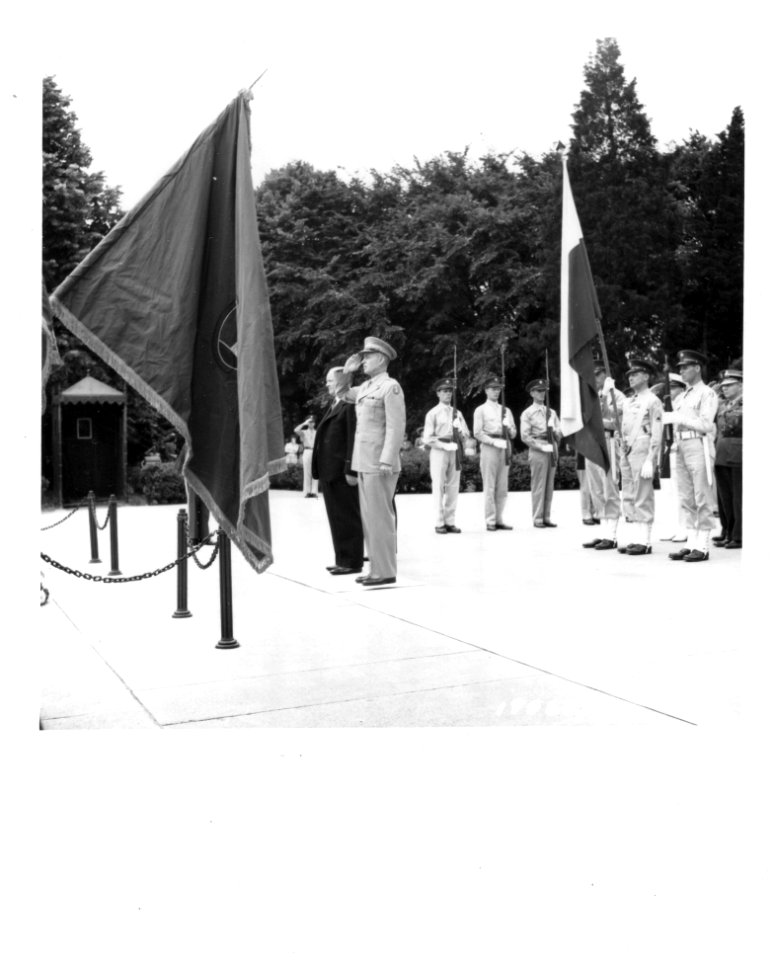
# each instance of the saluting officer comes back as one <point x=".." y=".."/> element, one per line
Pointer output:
<point x="543" y="455"/>
<point x="381" y="422"/>
<point x="642" y="429"/>
<point x="728" y="462"/>
<point x="694" y="421"/>
<point x="494" y="428"/>
<point x="439" y="437"/>
<point x="604" y="484"/>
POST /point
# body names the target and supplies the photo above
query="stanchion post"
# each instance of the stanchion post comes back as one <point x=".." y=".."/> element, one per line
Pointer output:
<point x="182" y="567"/>
<point x="93" y="529"/>
<point x="227" y="640"/>
<point x="113" y="514"/>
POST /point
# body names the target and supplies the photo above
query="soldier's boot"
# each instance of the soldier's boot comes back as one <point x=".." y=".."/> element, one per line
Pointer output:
<point x="700" y="549"/>
<point x="684" y="551"/>
<point x="641" y="543"/>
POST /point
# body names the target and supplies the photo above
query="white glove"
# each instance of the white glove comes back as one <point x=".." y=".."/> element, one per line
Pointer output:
<point x="500" y="443"/>
<point x="451" y="447"/>
<point x="646" y="471"/>
<point x="546" y="448"/>
<point x="457" y="423"/>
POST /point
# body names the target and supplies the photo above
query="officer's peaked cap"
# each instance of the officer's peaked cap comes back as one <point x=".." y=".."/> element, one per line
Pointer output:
<point x="375" y="345"/>
<point x="730" y="376"/>
<point x="445" y="383"/>
<point x="690" y="356"/>
<point x="641" y="365"/>
<point x="537" y="385"/>
<point x="493" y="381"/>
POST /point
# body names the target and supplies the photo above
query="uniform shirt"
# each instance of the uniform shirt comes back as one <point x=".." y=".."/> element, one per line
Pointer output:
<point x="696" y="408"/>
<point x="608" y="416"/>
<point x="438" y="425"/>
<point x="533" y="425"/>
<point x="729" y="448"/>
<point x="381" y="423"/>
<point x="307" y="435"/>
<point x="646" y="410"/>
<point x="488" y="422"/>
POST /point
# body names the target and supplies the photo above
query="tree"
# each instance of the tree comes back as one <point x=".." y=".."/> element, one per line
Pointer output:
<point x="628" y="213"/>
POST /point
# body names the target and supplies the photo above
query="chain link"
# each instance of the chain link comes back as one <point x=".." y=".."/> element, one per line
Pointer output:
<point x="208" y="563"/>
<point x="139" y="576"/>
<point x="56" y="524"/>
<point x="93" y="509"/>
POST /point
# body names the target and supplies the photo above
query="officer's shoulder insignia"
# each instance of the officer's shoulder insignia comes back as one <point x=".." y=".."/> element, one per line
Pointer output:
<point x="396" y="389"/>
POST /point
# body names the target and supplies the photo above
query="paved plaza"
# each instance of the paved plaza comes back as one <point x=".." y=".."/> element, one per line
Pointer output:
<point x="482" y="629"/>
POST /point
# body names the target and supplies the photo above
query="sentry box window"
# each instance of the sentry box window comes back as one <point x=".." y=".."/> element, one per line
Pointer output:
<point x="83" y="428"/>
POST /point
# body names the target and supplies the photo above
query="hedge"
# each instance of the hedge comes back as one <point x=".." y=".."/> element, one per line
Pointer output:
<point x="158" y="483"/>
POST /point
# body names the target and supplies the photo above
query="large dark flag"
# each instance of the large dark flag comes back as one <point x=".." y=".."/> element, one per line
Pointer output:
<point x="581" y="415"/>
<point x="175" y="300"/>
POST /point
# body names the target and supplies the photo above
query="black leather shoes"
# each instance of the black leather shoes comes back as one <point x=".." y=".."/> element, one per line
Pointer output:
<point x="606" y="545"/>
<point x="679" y="554"/>
<point x="503" y="526"/>
<point x="695" y="555"/>
<point x="340" y="571"/>
<point x="625" y="548"/>
<point x="491" y="526"/>
<point x="440" y="530"/>
<point x="362" y="579"/>
<point x="547" y="523"/>
<point x="376" y="581"/>
<point x="593" y="543"/>
<point x="638" y="549"/>
<point x="589" y="522"/>
<point x="720" y="538"/>
<point x="450" y="528"/>
<point x="733" y="545"/>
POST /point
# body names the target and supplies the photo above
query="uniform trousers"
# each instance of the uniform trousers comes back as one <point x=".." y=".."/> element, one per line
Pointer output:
<point x="696" y="497"/>
<point x="310" y="484"/>
<point x="638" y="496"/>
<point x="729" y="481"/>
<point x="446" y="485"/>
<point x="342" y="504"/>
<point x="494" y="474"/>
<point x="542" y="473"/>
<point x="377" y="511"/>
<point x="588" y="505"/>
<point x="604" y="493"/>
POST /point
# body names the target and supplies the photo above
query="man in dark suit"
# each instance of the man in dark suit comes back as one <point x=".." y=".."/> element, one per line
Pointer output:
<point x="332" y="466"/>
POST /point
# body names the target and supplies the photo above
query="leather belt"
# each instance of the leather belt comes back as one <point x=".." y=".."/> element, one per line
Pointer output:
<point x="689" y="435"/>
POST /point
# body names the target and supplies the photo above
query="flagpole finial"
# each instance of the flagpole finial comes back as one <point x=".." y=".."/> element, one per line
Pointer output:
<point x="255" y="81"/>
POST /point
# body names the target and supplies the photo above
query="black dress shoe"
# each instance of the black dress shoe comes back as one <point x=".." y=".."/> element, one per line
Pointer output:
<point x="733" y="545"/>
<point x="589" y="522"/>
<point x="625" y="548"/>
<point x="491" y="526"/>
<point x="721" y="543"/>
<point x="596" y="520"/>
<point x="332" y="566"/>
<point x="592" y="543"/>
<point x="376" y="581"/>
<point x="547" y="523"/>
<point x="361" y="579"/>
<point x="440" y="530"/>
<point x="679" y="554"/>
<point x="719" y="537"/>
<point x="502" y="526"/>
<point x="450" y="528"/>
<point x="538" y="524"/>
<point x="695" y="555"/>
<point x="340" y="571"/>
<point x="638" y="549"/>
<point x="606" y="545"/>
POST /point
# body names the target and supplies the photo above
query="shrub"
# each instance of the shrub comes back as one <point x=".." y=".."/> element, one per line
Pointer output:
<point x="290" y="479"/>
<point x="158" y="483"/>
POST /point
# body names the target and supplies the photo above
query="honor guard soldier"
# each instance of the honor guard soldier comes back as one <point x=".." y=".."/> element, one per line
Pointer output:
<point x="306" y="433"/>
<point x="494" y="428"/>
<point x="693" y="419"/>
<point x="669" y="486"/>
<point x="445" y="429"/>
<point x="381" y="422"/>
<point x="539" y="431"/>
<point x="728" y="460"/>
<point x="642" y="427"/>
<point x="604" y="484"/>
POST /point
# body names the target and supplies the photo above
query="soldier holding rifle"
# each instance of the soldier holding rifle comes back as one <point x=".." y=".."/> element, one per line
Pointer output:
<point x="444" y="429"/>
<point x="694" y="427"/>
<point x="494" y="428"/>
<point x="540" y="432"/>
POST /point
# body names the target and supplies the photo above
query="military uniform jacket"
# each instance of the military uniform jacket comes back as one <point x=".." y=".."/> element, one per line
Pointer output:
<point x="438" y="425"/>
<point x="381" y="422"/>
<point x="488" y="422"/>
<point x="729" y="444"/>
<point x="697" y="407"/>
<point x="643" y="411"/>
<point x="534" y="430"/>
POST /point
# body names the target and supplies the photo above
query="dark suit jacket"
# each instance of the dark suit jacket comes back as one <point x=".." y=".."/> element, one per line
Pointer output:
<point x="332" y="451"/>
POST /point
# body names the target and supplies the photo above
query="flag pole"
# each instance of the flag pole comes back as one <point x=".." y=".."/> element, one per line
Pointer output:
<point x="256" y="80"/>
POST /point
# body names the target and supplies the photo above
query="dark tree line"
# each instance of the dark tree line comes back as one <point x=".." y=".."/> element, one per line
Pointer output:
<point x="465" y="252"/>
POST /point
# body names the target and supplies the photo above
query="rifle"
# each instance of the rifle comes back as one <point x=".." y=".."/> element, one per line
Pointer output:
<point x="457" y="436"/>
<point x="668" y="434"/>
<point x="549" y="429"/>
<point x="502" y="408"/>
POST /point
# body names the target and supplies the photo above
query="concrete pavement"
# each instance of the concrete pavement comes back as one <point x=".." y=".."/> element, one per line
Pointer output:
<point x="511" y="628"/>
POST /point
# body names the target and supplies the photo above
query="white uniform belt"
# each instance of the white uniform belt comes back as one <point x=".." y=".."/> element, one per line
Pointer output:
<point x="689" y="435"/>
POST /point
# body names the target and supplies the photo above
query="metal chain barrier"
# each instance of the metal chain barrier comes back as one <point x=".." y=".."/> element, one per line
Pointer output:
<point x="93" y="509"/>
<point x="208" y="563"/>
<point x="67" y="517"/>
<point x="140" y="576"/>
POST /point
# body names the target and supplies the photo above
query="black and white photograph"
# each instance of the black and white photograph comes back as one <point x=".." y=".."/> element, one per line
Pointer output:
<point x="395" y="593"/>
